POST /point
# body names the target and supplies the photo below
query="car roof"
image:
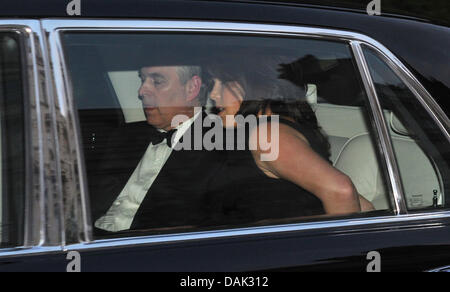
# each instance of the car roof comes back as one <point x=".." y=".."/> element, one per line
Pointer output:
<point x="437" y="11"/>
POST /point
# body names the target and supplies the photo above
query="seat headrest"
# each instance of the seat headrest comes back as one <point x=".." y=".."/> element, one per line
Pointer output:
<point x="397" y="126"/>
<point x="311" y="94"/>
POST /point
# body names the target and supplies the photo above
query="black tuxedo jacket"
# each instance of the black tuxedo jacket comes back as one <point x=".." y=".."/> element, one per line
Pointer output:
<point x="179" y="196"/>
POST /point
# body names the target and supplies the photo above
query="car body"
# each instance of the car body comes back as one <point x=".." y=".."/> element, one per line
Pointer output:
<point x="56" y="224"/>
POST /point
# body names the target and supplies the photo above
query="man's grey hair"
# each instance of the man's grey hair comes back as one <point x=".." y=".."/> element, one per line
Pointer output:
<point x="185" y="73"/>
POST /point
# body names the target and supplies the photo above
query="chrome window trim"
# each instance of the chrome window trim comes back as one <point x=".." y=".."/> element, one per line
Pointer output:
<point x="76" y="199"/>
<point x="23" y="32"/>
<point x="56" y="26"/>
<point x="42" y="231"/>
<point x="362" y="223"/>
<point x="40" y="216"/>
<point x="33" y="235"/>
<point x="30" y="251"/>
<point x="385" y="142"/>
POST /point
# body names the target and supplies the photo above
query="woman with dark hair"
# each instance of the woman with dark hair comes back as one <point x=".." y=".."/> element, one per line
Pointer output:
<point x="300" y="181"/>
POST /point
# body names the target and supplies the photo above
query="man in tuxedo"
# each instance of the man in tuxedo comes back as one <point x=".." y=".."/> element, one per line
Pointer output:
<point x="148" y="184"/>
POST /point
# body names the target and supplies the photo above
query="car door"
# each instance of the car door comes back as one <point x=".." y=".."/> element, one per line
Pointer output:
<point x="394" y="230"/>
<point x="31" y="233"/>
<point x="357" y="90"/>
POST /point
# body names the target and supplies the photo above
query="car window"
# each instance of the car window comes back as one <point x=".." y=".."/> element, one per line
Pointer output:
<point x="125" y="85"/>
<point x="421" y="149"/>
<point x="12" y="141"/>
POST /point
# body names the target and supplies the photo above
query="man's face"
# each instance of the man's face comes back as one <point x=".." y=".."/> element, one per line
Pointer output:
<point x="163" y="96"/>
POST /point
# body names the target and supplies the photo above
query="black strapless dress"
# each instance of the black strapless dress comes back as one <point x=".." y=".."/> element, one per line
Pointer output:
<point x="246" y="195"/>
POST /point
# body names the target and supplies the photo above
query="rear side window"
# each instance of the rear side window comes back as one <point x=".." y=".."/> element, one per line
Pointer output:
<point x="127" y="85"/>
<point x="12" y="184"/>
<point x="422" y="151"/>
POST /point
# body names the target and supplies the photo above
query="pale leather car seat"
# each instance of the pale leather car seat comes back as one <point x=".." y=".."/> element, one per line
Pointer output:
<point x="359" y="161"/>
<point x="340" y="123"/>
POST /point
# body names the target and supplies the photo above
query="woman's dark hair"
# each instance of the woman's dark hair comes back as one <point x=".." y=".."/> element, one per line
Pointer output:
<point x="269" y="83"/>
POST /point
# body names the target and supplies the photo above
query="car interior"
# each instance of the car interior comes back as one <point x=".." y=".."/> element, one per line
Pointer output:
<point x="348" y="132"/>
<point x="106" y="98"/>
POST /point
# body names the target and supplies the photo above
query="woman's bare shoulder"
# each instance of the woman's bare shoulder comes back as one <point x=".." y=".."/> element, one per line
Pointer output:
<point x="274" y="128"/>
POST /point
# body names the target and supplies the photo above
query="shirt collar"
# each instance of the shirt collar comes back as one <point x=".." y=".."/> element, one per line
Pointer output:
<point x="183" y="127"/>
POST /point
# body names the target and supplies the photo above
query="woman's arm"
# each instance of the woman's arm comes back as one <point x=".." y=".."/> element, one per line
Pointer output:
<point x="365" y="204"/>
<point x="300" y="164"/>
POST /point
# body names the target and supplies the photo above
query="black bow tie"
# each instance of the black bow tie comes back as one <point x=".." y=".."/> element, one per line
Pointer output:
<point x="158" y="137"/>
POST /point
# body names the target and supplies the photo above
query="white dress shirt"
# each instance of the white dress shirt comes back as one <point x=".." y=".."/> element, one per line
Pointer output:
<point x="121" y="214"/>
